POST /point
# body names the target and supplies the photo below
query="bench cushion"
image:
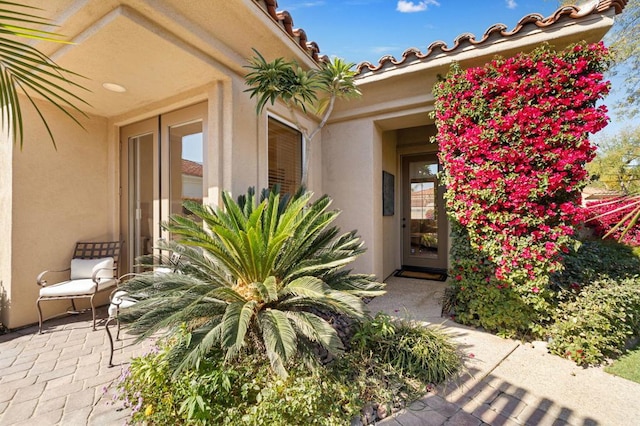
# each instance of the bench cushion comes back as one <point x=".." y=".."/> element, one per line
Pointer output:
<point x="84" y="268"/>
<point x="119" y="301"/>
<point x="75" y="288"/>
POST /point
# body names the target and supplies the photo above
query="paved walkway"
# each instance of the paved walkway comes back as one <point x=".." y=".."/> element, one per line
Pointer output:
<point x="60" y="377"/>
<point x="507" y="382"/>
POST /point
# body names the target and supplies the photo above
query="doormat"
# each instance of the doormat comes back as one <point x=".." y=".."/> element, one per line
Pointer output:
<point x="423" y="275"/>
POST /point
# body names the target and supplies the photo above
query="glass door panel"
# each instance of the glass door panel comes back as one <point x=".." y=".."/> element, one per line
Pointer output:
<point x="139" y="191"/>
<point x="185" y="165"/>
<point x="424" y="221"/>
<point x="182" y="145"/>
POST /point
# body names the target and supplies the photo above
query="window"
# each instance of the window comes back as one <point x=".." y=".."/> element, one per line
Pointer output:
<point x="285" y="157"/>
<point x="186" y="152"/>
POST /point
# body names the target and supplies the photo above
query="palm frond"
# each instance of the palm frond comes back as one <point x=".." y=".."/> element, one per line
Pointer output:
<point x="279" y="338"/>
<point x="268" y="289"/>
<point x="282" y="79"/>
<point x="361" y="285"/>
<point x="24" y="68"/>
<point x="235" y="323"/>
<point x="316" y="330"/>
<point x="200" y="343"/>
<point x="309" y="287"/>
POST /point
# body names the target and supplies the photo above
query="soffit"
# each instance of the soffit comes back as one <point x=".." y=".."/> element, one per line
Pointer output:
<point x="129" y="51"/>
<point x="157" y="49"/>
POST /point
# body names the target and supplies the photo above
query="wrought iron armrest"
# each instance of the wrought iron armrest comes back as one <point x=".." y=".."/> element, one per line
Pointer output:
<point x="42" y="282"/>
<point x="117" y="289"/>
<point x="96" y="279"/>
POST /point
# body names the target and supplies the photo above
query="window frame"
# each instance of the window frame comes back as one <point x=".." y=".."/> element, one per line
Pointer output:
<point x="285" y="124"/>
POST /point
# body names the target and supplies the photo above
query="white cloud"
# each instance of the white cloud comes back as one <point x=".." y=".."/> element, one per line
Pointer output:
<point x="511" y="4"/>
<point x="411" y="7"/>
<point x="382" y="50"/>
<point x="305" y="5"/>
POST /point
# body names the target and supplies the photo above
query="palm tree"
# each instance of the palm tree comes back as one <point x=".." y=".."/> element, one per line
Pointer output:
<point x="315" y="89"/>
<point x="252" y="278"/>
<point x="24" y="69"/>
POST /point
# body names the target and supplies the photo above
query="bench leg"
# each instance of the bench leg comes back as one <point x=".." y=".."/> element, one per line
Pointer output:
<point x="93" y="312"/>
<point x="106" y="327"/>
<point x="39" y="317"/>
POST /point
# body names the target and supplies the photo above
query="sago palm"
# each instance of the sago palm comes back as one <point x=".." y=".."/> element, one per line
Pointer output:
<point x="251" y="277"/>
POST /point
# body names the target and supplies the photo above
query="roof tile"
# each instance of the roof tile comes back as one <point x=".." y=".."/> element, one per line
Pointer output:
<point x="572" y="12"/>
<point x="285" y="20"/>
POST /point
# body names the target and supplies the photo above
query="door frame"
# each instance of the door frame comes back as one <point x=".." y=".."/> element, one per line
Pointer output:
<point x="159" y="126"/>
<point x="127" y="214"/>
<point x="440" y="262"/>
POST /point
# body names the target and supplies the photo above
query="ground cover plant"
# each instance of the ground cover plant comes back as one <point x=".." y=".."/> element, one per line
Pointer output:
<point x="513" y="139"/>
<point x="627" y="366"/>
<point x="365" y="382"/>
<point x="598" y="310"/>
<point x="248" y="321"/>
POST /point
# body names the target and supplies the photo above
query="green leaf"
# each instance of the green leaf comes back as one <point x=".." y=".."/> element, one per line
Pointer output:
<point x="23" y="68"/>
<point x="307" y="286"/>
<point x="279" y="338"/>
<point x="235" y="323"/>
<point x="268" y="289"/>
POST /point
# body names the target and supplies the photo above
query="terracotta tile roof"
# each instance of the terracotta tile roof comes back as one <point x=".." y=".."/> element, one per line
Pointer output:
<point x="284" y="19"/>
<point x="191" y="168"/>
<point x="572" y="12"/>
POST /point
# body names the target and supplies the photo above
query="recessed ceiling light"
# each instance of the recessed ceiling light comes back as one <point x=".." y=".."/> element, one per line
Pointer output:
<point x="113" y="87"/>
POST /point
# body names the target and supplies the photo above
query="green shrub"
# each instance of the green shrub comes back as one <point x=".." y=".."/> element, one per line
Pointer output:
<point x="478" y="298"/>
<point x="245" y="392"/>
<point x="412" y="350"/>
<point x="596" y="260"/>
<point x="598" y="323"/>
<point x="390" y="362"/>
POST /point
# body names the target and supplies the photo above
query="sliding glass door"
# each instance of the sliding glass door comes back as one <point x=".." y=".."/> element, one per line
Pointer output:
<point x="161" y="167"/>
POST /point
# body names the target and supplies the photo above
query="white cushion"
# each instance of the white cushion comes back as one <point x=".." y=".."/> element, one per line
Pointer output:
<point x="84" y="268"/>
<point x="119" y="300"/>
<point x="75" y="288"/>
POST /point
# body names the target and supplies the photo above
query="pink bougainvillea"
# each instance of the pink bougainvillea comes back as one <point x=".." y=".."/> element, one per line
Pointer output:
<point x="513" y="140"/>
<point x="615" y="219"/>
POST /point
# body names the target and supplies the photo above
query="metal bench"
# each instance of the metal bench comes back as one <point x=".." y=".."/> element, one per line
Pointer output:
<point x="93" y="268"/>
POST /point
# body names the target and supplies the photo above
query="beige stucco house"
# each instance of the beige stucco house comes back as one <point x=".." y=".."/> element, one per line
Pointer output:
<point x="166" y="80"/>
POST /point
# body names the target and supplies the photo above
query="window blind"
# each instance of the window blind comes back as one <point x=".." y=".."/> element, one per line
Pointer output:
<point x="285" y="157"/>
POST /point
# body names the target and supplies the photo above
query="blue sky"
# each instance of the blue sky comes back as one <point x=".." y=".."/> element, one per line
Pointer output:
<point x="366" y="30"/>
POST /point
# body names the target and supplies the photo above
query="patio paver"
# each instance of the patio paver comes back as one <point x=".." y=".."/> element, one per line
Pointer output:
<point x="61" y="377"/>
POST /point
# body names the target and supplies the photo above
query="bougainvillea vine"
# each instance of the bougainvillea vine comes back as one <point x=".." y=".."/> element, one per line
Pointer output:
<point x="514" y="139"/>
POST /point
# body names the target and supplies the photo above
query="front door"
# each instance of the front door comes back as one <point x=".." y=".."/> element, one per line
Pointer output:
<point x="424" y="222"/>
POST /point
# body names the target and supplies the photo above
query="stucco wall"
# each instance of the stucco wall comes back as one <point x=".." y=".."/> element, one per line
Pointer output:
<point x="391" y="224"/>
<point x="58" y="198"/>
<point x="352" y="176"/>
<point x="6" y="149"/>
